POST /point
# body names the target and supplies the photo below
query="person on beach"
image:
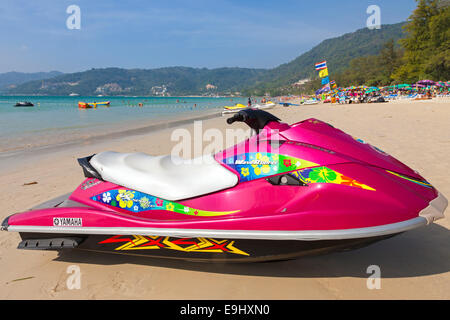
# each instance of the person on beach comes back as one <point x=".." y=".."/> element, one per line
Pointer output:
<point x="249" y="103"/>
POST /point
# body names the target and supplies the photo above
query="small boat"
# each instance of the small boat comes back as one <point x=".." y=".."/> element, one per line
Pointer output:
<point x="233" y="109"/>
<point x="264" y="106"/>
<point x="311" y="101"/>
<point x="422" y="98"/>
<point x="238" y="107"/>
<point x="88" y="105"/>
<point x="287" y="104"/>
<point x="24" y="104"/>
<point x="84" y="105"/>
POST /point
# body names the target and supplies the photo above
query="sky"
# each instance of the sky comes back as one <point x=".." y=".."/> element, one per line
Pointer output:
<point x="194" y="33"/>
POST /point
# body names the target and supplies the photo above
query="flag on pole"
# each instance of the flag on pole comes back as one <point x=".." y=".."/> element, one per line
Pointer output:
<point x="325" y="80"/>
<point x="326" y="87"/>
<point x="323" y="73"/>
<point x="333" y="84"/>
<point x="321" y="65"/>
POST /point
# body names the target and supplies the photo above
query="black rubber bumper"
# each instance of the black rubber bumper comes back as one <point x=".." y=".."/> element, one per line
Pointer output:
<point x="5" y="224"/>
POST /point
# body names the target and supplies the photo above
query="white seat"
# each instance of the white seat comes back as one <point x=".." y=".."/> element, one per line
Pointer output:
<point x="167" y="177"/>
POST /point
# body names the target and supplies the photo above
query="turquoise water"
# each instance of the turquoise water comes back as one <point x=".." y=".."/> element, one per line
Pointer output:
<point x="58" y="119"/>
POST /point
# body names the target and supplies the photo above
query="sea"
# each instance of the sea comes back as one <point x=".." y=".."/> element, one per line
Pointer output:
<point x="57" y="119"/>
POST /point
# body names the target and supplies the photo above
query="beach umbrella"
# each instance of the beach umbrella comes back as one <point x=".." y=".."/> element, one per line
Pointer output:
<point x="372" y="89"/>
<point x="404" y="86"/>
<point x="426" y="82"/>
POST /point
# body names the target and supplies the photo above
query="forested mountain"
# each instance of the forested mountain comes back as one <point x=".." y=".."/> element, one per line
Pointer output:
<point x="338" y="52"/>
<point x="116" y="81"/>
<point x="9" y="79"/>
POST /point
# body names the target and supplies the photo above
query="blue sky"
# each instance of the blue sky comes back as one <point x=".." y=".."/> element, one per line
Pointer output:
<point x="194" y="33"/>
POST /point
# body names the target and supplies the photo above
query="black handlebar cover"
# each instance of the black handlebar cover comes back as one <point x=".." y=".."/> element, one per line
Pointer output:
<point x="237" y="117"/>
<point x="254" y="118"/>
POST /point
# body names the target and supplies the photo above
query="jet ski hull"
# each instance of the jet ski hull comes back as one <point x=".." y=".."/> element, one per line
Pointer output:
<point x="192" y="249"/>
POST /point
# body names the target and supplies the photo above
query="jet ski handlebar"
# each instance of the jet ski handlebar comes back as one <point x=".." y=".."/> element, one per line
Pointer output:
<point x="254" y="118"/>
<point x="237" y="117"/>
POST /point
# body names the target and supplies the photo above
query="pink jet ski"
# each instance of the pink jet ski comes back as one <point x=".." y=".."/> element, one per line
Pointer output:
<point x="288" y="191"/>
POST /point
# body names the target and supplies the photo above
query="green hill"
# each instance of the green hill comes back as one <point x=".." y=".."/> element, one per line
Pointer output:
<point x="11" y="79"/>
<point x="116" y="81"/>
<point x="338" y="52"/>
<point x="188" y="81"/>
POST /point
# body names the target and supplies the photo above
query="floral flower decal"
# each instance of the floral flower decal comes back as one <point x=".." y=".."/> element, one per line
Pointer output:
<point x="125" y="198"/>
<point x="322" y="175"/>
<point x="327" y="175"/>
<point x="264" y="168"/>
<point x="144" y="202"/>
<point x="137" y="202"/>
<point x="287" y="163"/>
<point x="106" y="197"/>
<point x="245" y="172"/>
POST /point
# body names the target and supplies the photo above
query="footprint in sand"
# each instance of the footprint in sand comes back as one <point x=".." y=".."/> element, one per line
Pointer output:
<point x="124" y="284"/>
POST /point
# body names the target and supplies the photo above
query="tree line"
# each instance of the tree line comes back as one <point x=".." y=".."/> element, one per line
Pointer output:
<point x="423" y="54"/>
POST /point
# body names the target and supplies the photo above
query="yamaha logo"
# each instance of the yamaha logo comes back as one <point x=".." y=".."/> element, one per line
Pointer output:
<point x="67" y="222"/>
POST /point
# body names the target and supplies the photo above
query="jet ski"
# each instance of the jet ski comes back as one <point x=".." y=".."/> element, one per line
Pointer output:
<point x="311" y="102"/>
<point x="234" y="109"/>
<point x="264" y="106"/>
<point x="287" y="104"/>
<point x="24" y="104"/>
<point x="285" y="192"/>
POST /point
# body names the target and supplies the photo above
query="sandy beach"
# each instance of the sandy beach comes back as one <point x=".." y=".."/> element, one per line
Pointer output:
<point x="414" y="265"/>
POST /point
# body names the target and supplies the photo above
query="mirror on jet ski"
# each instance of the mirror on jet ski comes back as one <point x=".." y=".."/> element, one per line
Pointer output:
<point x="255" y="119"/>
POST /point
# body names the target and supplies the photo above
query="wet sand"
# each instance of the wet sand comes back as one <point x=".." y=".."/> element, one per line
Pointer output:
<point x="414" y="265"/>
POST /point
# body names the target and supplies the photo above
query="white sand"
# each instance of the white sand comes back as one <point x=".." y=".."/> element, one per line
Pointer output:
<point x="414" y="265"/>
